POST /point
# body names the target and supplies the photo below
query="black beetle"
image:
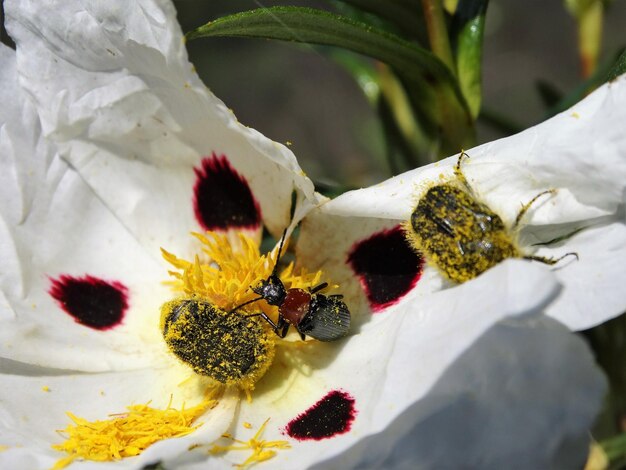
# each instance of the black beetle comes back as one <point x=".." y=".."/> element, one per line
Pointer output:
<point x="322" y="317"/>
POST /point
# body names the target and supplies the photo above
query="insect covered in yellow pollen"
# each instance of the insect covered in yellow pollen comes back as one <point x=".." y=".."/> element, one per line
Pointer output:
<point x="231" y="348"/>
<point x="461" y="236"/>
<point x="203" y="329"/>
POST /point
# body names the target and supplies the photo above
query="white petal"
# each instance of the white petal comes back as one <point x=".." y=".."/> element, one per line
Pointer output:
<point x="51" y="223"/>
<point x="480" y="351"/>
<point x="581" y="153"/>
<point x="517" y="398"/>
<point x="594" y="287"/>
<point x="29" y="432"/>
<point x="114" y="87"/>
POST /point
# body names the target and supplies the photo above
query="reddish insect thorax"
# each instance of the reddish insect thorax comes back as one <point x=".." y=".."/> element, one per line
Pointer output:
<point x="295" y="306"/>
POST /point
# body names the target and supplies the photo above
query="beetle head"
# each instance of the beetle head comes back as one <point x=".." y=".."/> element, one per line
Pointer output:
<point x="272" y="290"/>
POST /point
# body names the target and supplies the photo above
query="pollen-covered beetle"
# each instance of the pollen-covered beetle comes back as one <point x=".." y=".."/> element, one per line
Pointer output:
<point x="460" y="235"/>
<point x="322" y="317"/>
<point x="228" y="347"/>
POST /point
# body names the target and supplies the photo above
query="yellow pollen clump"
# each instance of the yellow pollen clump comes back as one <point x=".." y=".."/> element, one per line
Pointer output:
<point x="260" y="448"/>
<point x="224" y="275"/>
<point x="127" y="434"/>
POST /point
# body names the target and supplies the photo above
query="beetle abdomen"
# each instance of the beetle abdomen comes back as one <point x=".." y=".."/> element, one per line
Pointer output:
<point x="328" y="318"/>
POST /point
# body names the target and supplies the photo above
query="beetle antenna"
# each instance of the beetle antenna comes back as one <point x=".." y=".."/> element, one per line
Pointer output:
<point x="280" y="249"/>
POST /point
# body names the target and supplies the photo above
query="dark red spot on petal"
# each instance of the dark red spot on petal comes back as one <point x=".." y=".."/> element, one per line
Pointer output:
<point x="387" y="267"/>
<point x="222" y="197"/>
<point x="330" y="416"/>
<point x="91" y="301"/>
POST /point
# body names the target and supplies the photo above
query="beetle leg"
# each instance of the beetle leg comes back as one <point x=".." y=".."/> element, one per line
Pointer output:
<point x="282" y="327"/>
<point x="284" y="331"/>
<point x="526" y="206"/>
<point x="302" y="336"/>
<point x="318" y="288"/>
<point x="550" y="261"/>
<point x="263" y="315"/>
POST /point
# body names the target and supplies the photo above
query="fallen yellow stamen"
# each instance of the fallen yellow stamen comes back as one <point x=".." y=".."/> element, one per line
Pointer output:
<point x="259" y="447"/>
<point x="127" y="434"/>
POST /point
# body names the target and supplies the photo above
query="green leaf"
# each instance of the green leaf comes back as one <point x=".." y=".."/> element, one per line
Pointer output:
<point x="424" y="75"/>
<point x="619" y="67"/>
<point x="615" y="447"/>
<point x="468" y="25"/>
<point x="603" y="73"/>
<point x="406" y="15"/>
<point x="306" y="25"/>
<point x="608" y="343"/>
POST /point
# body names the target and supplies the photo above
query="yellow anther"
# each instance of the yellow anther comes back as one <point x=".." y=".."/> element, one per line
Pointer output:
<point x="128" y="434"/>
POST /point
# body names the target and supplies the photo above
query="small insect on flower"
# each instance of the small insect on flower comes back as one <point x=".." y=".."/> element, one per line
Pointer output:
<point x="461" y="236"/>
<point x="322" y="317"/>
<point x="229" y="347"/>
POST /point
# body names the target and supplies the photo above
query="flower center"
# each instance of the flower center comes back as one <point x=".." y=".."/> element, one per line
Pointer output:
<point x="233" y="347"/>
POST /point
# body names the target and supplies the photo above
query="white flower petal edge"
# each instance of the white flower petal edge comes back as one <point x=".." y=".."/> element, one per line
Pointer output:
<point x="422" y="369"/>
<point x="29" y="432"/>
<point x="114" y="88"/>
<point x="581" y="153"/>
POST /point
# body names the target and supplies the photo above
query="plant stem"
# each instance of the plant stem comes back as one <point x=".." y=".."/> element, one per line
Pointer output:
<point x="590" y="37"/>
<point x="438" y="32"/>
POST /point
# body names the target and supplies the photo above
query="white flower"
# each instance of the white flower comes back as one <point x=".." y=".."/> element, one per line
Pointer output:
<point x="113" y="155"/>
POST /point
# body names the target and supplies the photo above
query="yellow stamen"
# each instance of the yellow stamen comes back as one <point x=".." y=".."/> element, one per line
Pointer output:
<point x="225" y="275"/>
<point x="259" y="447"/>
<point x="128" y="434"/>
